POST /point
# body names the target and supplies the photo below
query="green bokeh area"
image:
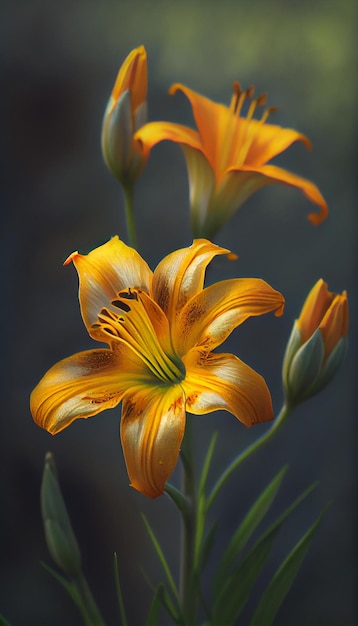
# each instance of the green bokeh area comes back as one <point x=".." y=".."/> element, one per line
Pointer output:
<point x="58" y="64"/>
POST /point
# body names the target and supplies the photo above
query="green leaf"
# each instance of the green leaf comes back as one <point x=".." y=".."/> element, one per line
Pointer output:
<point x="234" y="589"/>
<point x="280" y="584"/>
<point x="153" y="615"/>
<point x="248" y="526"/>
<point x="206" y="465"/>
<point x="122" y="611"/>
<point x="70" y="587"/>
<point x="201" y="507"/>
<point x="164" y="563"/>
<point x="178" y="498"/>
<point x="79" y="593"/>
<point x="164" y="598"/>
<point x="4" y="622"/>
<point x="72" y="591"/>
<point x="206" y="546"/>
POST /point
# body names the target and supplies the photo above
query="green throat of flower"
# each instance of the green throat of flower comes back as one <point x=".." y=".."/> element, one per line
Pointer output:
<point x="129" y="321"/>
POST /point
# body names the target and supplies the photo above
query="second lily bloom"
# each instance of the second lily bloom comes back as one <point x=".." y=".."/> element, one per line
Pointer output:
<point x="227" y="157"/>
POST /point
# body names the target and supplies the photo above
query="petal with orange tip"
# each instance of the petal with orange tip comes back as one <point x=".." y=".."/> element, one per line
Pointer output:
<point x="212" y="314"/>
<point x="222" y="381"/>
<point x="334" y="325"/>
<point x="270" y="174"/>
<point x="180" y="275"/>
<point x="152" y="429"/>
<point x="83" y="385"/>
<point x="133" y="76"/>
<point x="154" y="132"/>
<point x="104" y="272"/>
<point x="269" y="140"/>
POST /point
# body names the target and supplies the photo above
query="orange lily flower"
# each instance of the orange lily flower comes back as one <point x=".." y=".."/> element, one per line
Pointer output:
<point x="125" y="113"/>
<point x="161" y="328"/>
<point x="317" y="344"/>
<point x="227" y="157"/>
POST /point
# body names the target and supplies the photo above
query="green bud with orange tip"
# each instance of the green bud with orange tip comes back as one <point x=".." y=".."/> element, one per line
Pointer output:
<point x="317" y="344"/>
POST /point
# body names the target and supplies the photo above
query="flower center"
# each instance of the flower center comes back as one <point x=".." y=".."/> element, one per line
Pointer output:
<point x="139" y="322"/>
<point x="247" y="131"/>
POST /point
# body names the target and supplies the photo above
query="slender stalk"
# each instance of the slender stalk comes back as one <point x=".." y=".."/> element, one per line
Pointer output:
<point x="187" y="593"/>
<point x="128" y="192"/>
<point x="119" y="592"/>
<point x="285" y="410"/>
<point x="89" y="608"/>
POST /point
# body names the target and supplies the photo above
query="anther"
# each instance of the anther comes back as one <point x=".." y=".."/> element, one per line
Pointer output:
<point x="261" y="100"/>
<point x="250" y="91"/>
<point x="128" y="295"/>
<point x="121" y="305"/>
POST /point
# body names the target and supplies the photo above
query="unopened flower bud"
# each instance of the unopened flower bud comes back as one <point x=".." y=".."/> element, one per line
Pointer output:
<point x="317" y="343"/>
<point x="60" y="538"/>
<point x="126" y="112"/>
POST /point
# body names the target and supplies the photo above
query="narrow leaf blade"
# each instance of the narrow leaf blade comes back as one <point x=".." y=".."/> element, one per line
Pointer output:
<point x="153" y="615"/>
<point x="237" y="588"/>
<point x="280" y="584"/>
<point x="248" y="526"/>
<point x="233" y="590"/>
<point x="163" y="562"/>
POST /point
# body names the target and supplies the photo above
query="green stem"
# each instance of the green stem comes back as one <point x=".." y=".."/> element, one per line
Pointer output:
<point x="285" y="410"/>
<point x="89" y="609"/>
<point x="128" y="192"/>
<point x="188" y="595"/>
<point x="119" y="592"/>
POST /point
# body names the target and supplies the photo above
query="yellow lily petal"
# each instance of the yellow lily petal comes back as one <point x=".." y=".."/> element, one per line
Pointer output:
<point x="227" y="142"/>
<point x="154" y="132"/>
<point x="132" y="76"/>
<point x="104" y="272"/>
<point x="327" y="311"/>
<point x="316" y="304"/>
<point x="152" y="429"/>
<point x="222" y="381"/>
<point x="180" y="275"/>
<point x="211" y="315"/>
<point x="83" y="385"/>
<point x="269" y="140"/>
<point x="233" y="190"/>
<point x="272" y="174"/>
<point x="214" y="122"/>
<point x="335" y="322"/>
<point x="201" y="187"/>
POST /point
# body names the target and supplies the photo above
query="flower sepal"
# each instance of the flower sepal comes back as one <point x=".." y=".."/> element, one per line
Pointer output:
<point x="305" y="366"/>
<point x="333" y="363"/>
<point x="121" y="156"/>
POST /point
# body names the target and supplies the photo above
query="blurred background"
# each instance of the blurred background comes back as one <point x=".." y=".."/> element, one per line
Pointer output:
<point x="58" y="65"/>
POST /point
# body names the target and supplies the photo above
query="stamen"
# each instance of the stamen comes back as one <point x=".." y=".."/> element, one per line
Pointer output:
<point x="121" y="305"/>
<point x="261" y="100"/>
<point x="250" y="92"/>
<point x="135" y="328"/>
<point x="267" y="113"/>
<point x="129" y="295"/>
<point x="235" y="96"/>
<point x="237" y="99"/>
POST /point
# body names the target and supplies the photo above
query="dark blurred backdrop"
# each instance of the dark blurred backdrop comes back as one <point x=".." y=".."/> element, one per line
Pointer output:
<point x="58" y="65"/>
